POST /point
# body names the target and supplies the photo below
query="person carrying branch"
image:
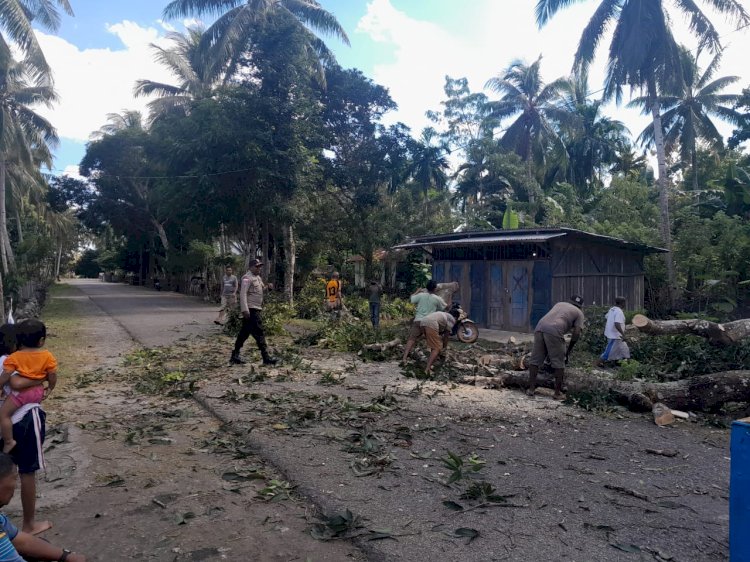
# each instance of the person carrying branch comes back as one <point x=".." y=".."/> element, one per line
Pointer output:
<point x="549" y="341"/>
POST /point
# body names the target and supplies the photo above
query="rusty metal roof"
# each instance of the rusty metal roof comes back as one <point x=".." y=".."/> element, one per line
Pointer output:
<point x="524" y="235"/>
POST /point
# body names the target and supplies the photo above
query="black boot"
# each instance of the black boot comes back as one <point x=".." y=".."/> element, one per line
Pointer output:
<point x="269" y="360"/>
<point x="235" y="359"/>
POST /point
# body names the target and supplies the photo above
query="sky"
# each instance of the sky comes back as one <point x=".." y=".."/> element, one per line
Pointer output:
<point x="409" y="46"/>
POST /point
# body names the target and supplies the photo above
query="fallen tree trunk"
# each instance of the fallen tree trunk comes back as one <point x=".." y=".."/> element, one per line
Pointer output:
<point x="718" y="334"/>
<point x="702" y="393"/>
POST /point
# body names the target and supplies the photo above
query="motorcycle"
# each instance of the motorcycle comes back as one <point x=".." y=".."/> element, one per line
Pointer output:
<point x="465" y="329"/>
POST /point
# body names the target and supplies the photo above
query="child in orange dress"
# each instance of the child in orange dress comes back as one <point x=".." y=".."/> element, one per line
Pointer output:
<point x="25" y="371"/>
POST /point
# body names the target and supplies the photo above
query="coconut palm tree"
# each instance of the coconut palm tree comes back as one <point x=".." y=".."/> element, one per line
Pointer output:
<point x="642" y="51"/>
<point x="129" y="119"/>
<point x="228" y="38"/>
<point x="197" y="78"/>
<point x="688" y="110"/>
<point x="429" y="163"/>
<point x="16" y="17"/>
<point x="533" y="104"/>
<point x="592" y="140"/>
<point x="25" y="136"/>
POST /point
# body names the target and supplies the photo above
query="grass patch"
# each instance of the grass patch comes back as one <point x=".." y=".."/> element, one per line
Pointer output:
<point x="64" y="328"/>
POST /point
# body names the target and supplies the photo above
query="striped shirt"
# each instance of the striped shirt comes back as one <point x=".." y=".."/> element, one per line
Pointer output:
<point x="8" y="532"/>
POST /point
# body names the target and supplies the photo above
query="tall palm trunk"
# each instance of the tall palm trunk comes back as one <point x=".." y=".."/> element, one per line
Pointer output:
<point x="20" y="227"/>
<point x="663" y="185"/>
<point x="694" y="164"/>
<point x="2" y="300"/>
<point x="6" y="252"/>
<point x="530" y="176"/>
<point x="290" y="260"/>
<point x="265" y="243"/>
<point x="58" y="260"/>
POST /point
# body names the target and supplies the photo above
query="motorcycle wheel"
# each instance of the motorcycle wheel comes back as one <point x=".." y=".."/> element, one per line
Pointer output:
<point x="468" y="333"/>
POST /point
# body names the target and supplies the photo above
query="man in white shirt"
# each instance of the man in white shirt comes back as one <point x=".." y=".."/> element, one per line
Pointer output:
<point x="614" y="331"/>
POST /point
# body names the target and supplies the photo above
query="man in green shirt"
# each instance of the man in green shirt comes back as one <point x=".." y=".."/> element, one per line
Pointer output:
<point x="427" y="302"/>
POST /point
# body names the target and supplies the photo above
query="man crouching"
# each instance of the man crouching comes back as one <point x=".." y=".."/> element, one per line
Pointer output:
<point x="437" y="327"/>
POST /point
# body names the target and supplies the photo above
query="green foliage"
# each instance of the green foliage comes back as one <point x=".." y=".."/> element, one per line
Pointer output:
<point x="276" y="313"/>
<point x="460" y="467"/>
<point x="352" y="336"/>
<point x="88" y="265"/>
<point x="593" y="399"/>
<point x="308" y="303"/>
<point x="687" y="355"/>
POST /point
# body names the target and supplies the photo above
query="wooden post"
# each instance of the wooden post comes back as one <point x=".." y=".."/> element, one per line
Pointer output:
<point x="739" y="491"/>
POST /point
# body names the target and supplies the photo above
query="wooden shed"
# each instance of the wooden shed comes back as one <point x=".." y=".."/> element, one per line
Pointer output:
<point x="510" y="278"/>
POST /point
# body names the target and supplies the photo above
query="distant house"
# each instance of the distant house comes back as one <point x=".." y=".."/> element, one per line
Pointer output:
<point x="510" y="278"/>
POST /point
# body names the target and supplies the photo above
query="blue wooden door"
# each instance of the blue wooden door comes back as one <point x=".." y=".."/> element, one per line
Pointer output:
<point x="496" y="297"/>
<point x="541" y="290"/>
<point x="457" y="275"/>
<point x="477" y="308"/>
<point x="438" y="272"/>
<point x="518" y="285"/>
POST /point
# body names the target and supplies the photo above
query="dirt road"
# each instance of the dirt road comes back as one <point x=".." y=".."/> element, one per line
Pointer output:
<point x="530" y="480"/>
<point x="138" y="477"/>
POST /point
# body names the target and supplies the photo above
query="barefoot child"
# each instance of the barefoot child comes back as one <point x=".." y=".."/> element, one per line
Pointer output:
<point x="33" y="366"/>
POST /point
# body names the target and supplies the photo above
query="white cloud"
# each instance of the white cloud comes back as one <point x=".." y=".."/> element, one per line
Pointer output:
<point x="73" y="171"/>
<point x="166" y="26"/>
<point x="424" y="52"/>
<point x="94" y="82"/>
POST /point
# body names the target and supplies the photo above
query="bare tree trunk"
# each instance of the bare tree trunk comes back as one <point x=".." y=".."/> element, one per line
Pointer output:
<point x="720" y="334"/>
<point x="59" y="259"/>
<point x="290" y="258"/>
<point x="162" y="234"/>
<point x="265" y="235"/>
<point x="704" y="393"/>
<point x="251" y="236"/>
<point x="665" y="225"/>
<point x="20" y="227"/>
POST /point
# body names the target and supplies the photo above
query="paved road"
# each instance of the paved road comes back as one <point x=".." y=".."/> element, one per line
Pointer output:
<point x="152" y="318"/>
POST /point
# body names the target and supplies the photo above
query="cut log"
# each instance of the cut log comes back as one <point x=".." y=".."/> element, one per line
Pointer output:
<point x="662" y="414"/>
<point x="706" y="393"/>
<point x="718" y="334"/>
<point x="382" y="346"/>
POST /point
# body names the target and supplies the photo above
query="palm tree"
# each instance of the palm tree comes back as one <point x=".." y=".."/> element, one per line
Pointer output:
<point x="643" y="50"/>
<point x="127" y="120"/>
<point x="16" y="18"/>
<point x="429" y="163"/>
<point x="592" y="140"/>
<point x="533" y="104"/>
<point x="197" y="77"/>
<point x="25" y="136"/>
<point x="688" y="110"/>
<point x="238" y="20"/>
<point x="629" y="163"/>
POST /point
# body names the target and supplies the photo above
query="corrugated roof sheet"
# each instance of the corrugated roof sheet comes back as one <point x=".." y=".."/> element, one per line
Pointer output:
<point x="472" y="241"/>
<point x="521" y="235"/>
